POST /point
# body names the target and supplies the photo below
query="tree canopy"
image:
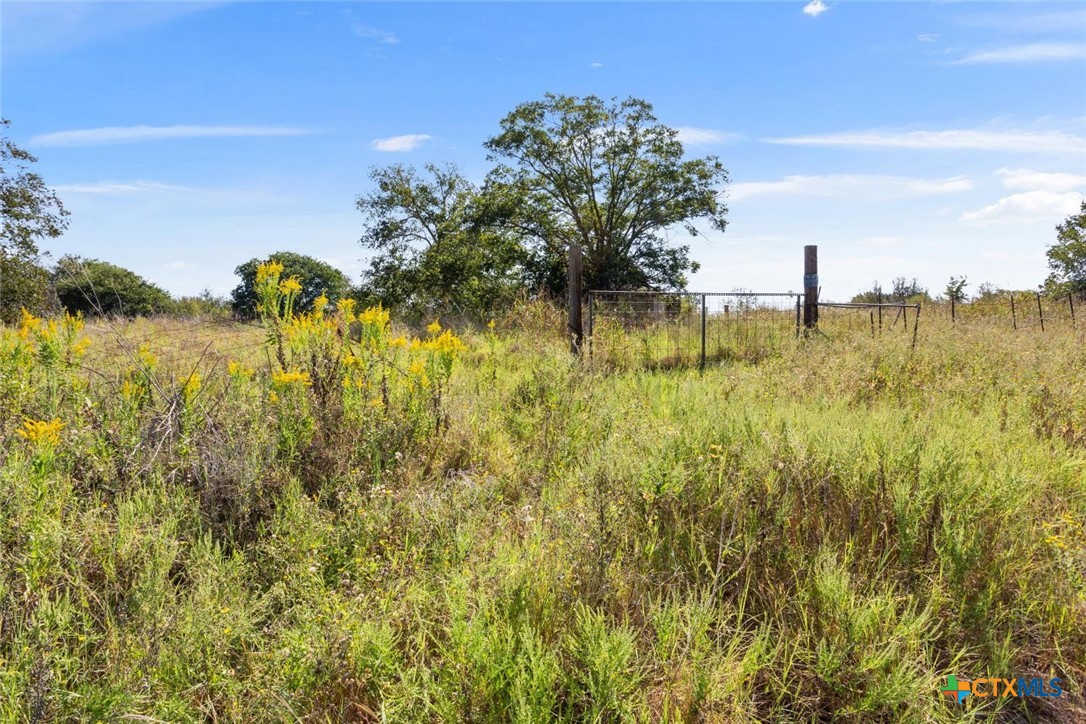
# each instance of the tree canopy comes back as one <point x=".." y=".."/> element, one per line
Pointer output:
<point x="605" y="175"/>
<point x="1067" y="257"/>
<point x="432" y="252"/>
<point x="30" y="212"/>
<point x="315" y="276"/>
<point x="92" y="286"/>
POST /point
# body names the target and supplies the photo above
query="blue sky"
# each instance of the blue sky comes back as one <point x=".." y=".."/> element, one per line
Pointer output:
<point x="911" y="138"/>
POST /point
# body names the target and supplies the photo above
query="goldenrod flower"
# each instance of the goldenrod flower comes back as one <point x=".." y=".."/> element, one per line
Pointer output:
<point x="267" y="271"/>
<point x="400" y="341"/>
<point x="292" y="377"/>
<point x="319" y="305"/>
<point x="491" y="324"/>
<point x="434" y="327"/>
<point x="236" y="369"/>
<point x="41" y="431"/>
<point x="290" y="286"/>
<point x="192" y="386"/>
<point x="146" y="356"/>
<point x="374" y="315"/>
<point x="346" y="308"/>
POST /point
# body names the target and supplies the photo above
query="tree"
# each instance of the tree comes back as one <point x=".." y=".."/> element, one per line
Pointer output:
<point x="1067" y="257"/>
<point x="905" y="290"/>
<point x="315" y="276"/>
<point x="955" y="289"/>
<point x="874" y="295"/>
<point x="92" y="286"/>
<point x="432" y="252"/>
<point x="607" y="176"/>
<point x="31" y="212"/>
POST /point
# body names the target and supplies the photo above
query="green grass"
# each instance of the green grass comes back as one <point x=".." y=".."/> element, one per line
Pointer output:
<point x="823" y="535"/>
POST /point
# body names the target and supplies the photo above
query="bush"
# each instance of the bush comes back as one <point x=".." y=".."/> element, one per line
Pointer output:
<point x="314" y="276"/>
<point x="92" y="286"/>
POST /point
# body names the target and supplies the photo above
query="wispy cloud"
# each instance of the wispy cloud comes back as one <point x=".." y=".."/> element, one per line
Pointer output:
<point x="113" y="188"/>
<point x="133" y="134"/>
<point x="385" y="37"/>
<point x="401" y="144"/>
<point x="1046" y="141"/>
<point x="852" y="185"/>
<point x="1032" y="53"/>
<point x="1035" y="23"/>
<point x="1027" y="206"/>
<point x="595" y="65"/>
<point x="927" y="37"/>
<point x="815" y="8"/>
<point x="1022" y="178"/>
<point x="691" y="136"/>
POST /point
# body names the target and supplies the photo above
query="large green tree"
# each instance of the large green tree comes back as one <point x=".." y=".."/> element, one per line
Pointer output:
<point x="315" y="276"/>
<point x="431" y="252"/>
<point x="605" y="175"/>
<point x="30" y="212"/>
<point x="1067" y="257"/>
<point x="92" y="286"/>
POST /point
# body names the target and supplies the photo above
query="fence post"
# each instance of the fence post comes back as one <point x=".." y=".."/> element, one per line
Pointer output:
<point x="880" y="311"/>
<point x="916" y="323"/>
<point x="703" y="316"/>
<point x="799" y="307"/>
<point x="953" y="317"/>
<point x="1071" y="303"/>
<point x="810" y="286"/>
<point x="1014" y="317"/>
<point x="576" y="332"/>
<point x="1040" y="311"/>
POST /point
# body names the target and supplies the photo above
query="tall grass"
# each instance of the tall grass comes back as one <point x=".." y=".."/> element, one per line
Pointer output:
<point x="825" y="534"/>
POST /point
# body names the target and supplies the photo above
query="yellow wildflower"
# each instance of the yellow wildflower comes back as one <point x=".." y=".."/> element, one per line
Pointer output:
<point x="146" y="356"/>
<point x="400" y="341"/>
<point x="192" y="386"/>
<point x="377" y="402"/>
<point x="491" y="324"/>
<point x="29" y="321"/>
<point x="236" y="369"/>
<point x="41" y="431"/>
<point x="291" y="377"/>
<point x="319" y="305"/>
<point x="374" y="315"/>
<point x="417" y="368"/>
<point x="434" y="327"/>
<point x="267" y="271"/>
<point x="290" y="286"/>
<point x="346" y="308"/>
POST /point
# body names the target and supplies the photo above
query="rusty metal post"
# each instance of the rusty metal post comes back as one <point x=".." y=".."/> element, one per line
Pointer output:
<point x="810" y="286"/>
<point x="576" y="332"/>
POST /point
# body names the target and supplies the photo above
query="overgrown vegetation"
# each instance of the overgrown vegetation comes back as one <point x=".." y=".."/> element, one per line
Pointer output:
<point x="411" y="529"/>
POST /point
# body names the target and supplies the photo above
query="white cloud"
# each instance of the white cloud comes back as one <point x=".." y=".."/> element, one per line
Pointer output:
<point x="1032" y="53"/>
<point x="407" y="142"/>
<point x="853" y="185"/>
<point x="927" y="37"/>
<point x="113" y="188"/>
<point x="815" y="8"/>
<point x="131" y="134"/>
<point x="1041" y="141"/>
<point x="384" y="37"/>
<point x="596" y="65"/>
<point x="1021" y="178"/>
<point x="704" y="136"/>
<point x="1027" y="206"/>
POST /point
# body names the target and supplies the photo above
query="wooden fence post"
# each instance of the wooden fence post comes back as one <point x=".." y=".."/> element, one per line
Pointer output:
<point x="576" y="332"/>
<point x="810" y="286"/>
<point x="953" y="316"/>
<point x="1040" y="311"/>
<point x="703" y="317"/>
<point x="1014" y="317"/>
<point x="1071" y="303"/>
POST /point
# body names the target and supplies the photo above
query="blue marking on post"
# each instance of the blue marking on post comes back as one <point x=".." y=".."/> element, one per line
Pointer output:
<point x="810" y="281"/>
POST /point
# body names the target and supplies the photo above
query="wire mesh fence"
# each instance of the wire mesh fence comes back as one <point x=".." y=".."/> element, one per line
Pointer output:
<point x="679" y="329"/>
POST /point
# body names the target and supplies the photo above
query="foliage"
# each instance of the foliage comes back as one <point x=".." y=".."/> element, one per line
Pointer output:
<point x="823" y="536"/>
<point x="316" y="278"/>
<point x="31" y="212"/>
<point x="430" y="252"/>
<point x="1067" y="257"/>
<point x="607" y="176"/>
<point x="955" y="289"/>
<point x="206" y="304"/>
<point x="901" y="290"/>
<point x="92" y="286"/>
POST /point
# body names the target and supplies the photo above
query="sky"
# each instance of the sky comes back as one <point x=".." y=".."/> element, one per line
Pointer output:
<point x="917" y="139"/>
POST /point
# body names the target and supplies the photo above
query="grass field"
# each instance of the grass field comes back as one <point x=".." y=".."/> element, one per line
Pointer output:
<point x="479" y="528"/>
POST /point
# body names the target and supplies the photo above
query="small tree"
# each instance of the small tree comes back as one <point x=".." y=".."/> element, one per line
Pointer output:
<point x="955" y="289"/>
<point x="92" y="286"/>
<point x="315" y="276"/>
<point x="873" y="295"/>
<point x="906" y="290"/>
<point x="1067" y="257"/>
<point x="30" y="212"/>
